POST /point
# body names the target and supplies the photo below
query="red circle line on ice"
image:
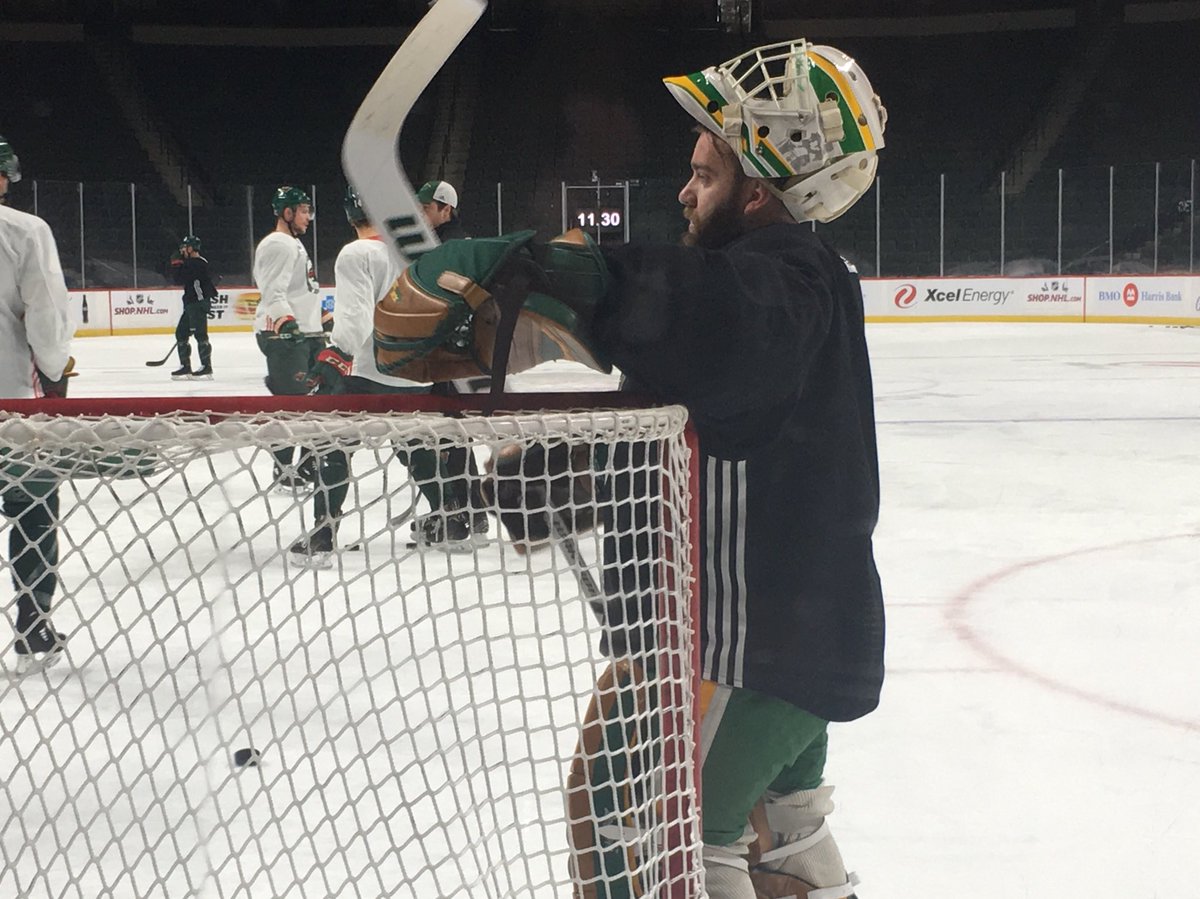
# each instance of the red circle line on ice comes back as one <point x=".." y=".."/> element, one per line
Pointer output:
<point x="956" y="616"/>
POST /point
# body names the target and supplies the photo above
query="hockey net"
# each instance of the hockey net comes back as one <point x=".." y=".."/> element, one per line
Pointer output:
<point x="417" y="713"/>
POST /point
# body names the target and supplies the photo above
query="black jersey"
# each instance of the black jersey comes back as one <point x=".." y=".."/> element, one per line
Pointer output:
<point x="763" y="341"/>
<point x="192" y="273"/>
<point x="451" y="229"/>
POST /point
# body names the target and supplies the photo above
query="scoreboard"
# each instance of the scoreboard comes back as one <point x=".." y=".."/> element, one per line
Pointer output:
<point x="602" y="210"/>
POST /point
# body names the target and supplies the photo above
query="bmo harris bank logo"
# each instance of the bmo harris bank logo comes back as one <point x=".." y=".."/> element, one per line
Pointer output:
<point x="1131" y="295"/>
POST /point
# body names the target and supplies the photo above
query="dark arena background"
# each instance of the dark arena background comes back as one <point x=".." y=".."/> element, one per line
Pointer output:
<point x="1024" y="137"/>
<point x="231" y="719"/>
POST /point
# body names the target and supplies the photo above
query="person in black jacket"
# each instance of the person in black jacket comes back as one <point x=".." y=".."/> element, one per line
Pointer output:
<point x="756" y="325"/>
<point x="439" y="202"/>
<point x="191" y="271"/>
<point x="453" y="524"/>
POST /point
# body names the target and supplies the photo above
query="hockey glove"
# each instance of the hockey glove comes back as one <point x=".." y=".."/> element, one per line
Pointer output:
<point x="331" y="367"/>
<point x="529" y="484"/>
<point x="57" y="389"/>
<point x="287" y="328"/>
<point x="441" y="318"/>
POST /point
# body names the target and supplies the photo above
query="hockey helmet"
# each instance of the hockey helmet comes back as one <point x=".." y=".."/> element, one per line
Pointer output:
<point x="191" y="241"/>
<point x="289" y="197"/>
<point x="803" y="116"/>
<point x="10" y="166"/>
<point x="352" y="204"/>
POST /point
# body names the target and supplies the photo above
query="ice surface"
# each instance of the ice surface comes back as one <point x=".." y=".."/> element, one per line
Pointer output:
<point x="1039" y="732"/>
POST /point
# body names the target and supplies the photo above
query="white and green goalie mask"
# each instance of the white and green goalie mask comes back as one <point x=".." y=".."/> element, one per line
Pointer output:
<point x="804" y="116"/>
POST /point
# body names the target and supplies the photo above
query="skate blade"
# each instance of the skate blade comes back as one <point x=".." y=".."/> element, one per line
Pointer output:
<point x="451" y="547"/>
<point x="181" y="377"/>
<point x="28" y="664"/>
<point x="285" y="490"/>
<point x="313" y="561"/>
<point x="200" y="377"/>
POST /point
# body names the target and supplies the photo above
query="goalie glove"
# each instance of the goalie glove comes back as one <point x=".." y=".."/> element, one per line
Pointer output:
<point x="331" y="366"/>
<point x="287" y="327"/>
<point x="57" y="389"/>
<point x="440" y="321"/>
<point x="528" y="484"/>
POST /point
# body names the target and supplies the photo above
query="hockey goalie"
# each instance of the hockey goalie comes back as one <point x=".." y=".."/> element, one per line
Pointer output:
<point x="755" y="324"/>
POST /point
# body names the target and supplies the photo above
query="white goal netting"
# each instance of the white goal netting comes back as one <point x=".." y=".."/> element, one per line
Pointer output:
<point x="426" y="723"/>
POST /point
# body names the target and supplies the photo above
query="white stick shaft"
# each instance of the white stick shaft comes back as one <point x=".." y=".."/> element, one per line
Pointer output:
<point x="370" y="151"/>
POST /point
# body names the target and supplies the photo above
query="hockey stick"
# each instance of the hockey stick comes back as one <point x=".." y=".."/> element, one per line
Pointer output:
<point x="565" y="540"/>
<point x="370" y="150"/>
<point x="155" y="363"/>
<point x="163" y="361"/>
<point x="394" y="522"/>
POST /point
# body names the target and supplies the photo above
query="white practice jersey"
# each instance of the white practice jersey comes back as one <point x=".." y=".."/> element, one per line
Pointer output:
<point x="35" y="319"/>
<point x="364" y="273"/>
<point x="283" y="274"/>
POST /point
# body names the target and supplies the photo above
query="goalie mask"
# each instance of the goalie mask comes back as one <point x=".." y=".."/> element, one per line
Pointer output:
<point x="803" y="116"/>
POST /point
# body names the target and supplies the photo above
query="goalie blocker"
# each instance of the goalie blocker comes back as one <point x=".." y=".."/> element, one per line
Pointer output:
<point x="529" y="484"/>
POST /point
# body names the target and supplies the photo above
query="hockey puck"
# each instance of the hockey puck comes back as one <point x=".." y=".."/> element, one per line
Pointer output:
<point x="247" y="758"/>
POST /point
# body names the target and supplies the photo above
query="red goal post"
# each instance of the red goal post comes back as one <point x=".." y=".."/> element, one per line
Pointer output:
<point x="417" y="712"/>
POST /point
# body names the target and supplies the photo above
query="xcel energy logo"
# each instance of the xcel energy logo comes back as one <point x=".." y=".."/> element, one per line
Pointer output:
<point x="905" y="296"/>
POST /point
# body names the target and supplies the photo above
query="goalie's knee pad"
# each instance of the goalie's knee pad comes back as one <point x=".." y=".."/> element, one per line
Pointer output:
<point x="802" y="859"/>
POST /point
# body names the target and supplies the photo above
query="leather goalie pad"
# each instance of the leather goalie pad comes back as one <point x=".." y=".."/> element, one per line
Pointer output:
<point x="528" y="484"/>
<point x="606" y="787"/>
<point x="427" y="338"/>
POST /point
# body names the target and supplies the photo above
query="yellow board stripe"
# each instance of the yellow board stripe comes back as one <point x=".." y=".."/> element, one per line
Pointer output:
<point x="833" y="72"/>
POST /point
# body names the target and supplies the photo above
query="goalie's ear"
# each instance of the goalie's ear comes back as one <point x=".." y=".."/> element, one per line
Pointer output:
<point x="758" y="197"/>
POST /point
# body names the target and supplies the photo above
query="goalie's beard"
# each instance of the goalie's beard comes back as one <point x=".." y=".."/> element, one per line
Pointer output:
<point x="721" y="226"/>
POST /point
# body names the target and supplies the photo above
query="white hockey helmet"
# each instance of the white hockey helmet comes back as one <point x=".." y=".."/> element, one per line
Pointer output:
<point x="793" y="111"/>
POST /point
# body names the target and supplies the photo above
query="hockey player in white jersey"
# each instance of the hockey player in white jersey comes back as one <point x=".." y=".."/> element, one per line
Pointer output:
<point x="35" y="361"/>
<point x="364" y="272"/>
<point x="288" y="322"/>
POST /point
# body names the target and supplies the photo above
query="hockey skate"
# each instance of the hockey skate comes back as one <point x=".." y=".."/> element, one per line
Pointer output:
<point x="287" y="479"/>
<point x="453" y="531"/>
<point x="38" y="645"/>
<point x="315" y="550"/>
<point x="204" y="373"/>
<point x="183" y="373"/>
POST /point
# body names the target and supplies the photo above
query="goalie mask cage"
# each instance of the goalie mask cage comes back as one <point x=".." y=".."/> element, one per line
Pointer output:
<point x="431" y="724"/>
